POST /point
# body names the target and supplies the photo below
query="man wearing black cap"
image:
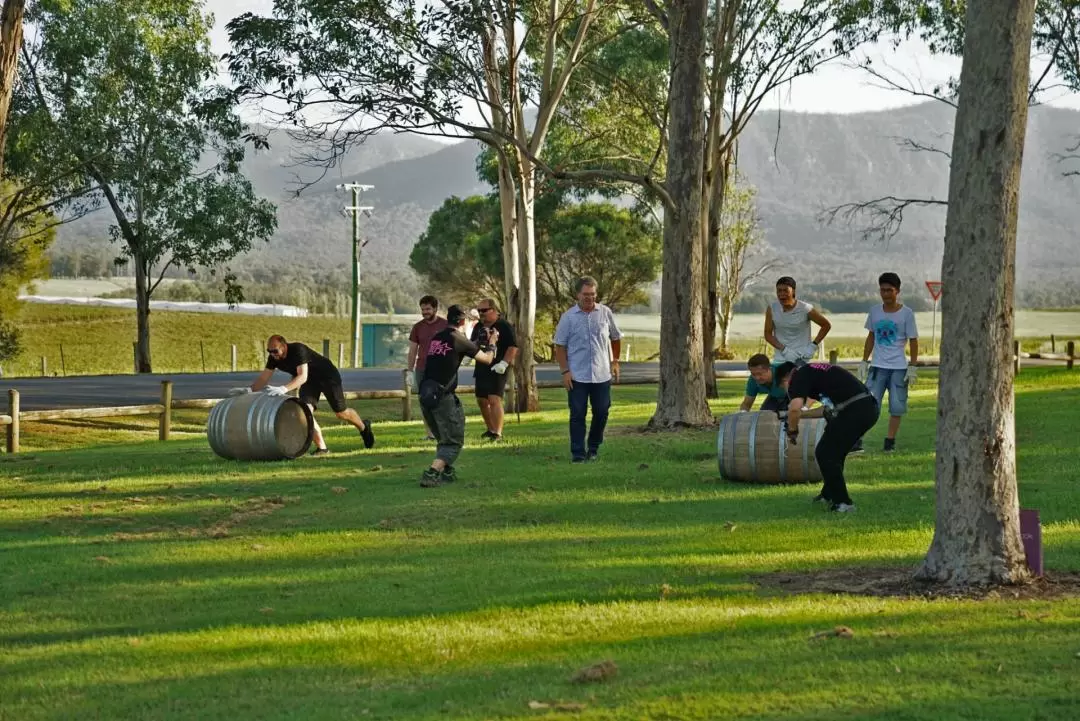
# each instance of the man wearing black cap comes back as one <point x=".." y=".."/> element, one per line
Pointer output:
<point x="438" y="400"/>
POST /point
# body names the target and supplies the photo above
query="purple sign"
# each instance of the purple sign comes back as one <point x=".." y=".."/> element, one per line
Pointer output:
<point x="1031" y="535"/>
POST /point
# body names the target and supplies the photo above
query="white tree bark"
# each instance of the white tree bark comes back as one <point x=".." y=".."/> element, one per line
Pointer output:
<point x="681" y="399"/>
<point x="977" y="531"/>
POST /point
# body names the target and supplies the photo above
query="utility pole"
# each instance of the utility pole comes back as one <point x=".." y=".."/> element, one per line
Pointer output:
<point x="355" y="210"/>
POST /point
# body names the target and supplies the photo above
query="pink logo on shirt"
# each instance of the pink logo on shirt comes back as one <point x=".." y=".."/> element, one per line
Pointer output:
<point x="438" y="347"/>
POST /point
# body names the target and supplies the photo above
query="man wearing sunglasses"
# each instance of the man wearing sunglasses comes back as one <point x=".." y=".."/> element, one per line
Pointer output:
<point x="314" y="375"/>
<point x="490" y="381"/>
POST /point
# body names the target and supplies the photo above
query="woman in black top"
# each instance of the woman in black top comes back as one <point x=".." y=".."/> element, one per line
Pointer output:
<point x="854" y="413"/>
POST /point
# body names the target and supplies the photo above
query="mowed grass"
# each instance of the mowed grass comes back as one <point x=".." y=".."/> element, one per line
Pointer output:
<point x="155" y="581"/>
<point x="78" y="340"/>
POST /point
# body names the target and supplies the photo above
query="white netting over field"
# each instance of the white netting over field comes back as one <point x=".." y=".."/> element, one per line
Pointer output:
<point x="288" y="311"/>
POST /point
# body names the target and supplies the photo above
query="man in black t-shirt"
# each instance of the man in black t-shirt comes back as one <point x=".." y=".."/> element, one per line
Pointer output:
<point x="314" y="375"/>
<point x="438" y="401"/>
<point x="490" y="381"/>
<point x="853" y="412"/>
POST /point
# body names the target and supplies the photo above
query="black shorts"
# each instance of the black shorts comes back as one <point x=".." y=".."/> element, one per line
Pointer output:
<point x="488" y="384"/>
<point x="331" y="388"/>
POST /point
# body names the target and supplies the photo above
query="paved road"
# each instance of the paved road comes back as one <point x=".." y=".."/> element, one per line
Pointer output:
<point x="123" y="390"/>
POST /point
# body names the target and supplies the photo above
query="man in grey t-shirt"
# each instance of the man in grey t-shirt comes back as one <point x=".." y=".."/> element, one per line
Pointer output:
<point x="587" y="345"/>
<point x="890" y="326"/>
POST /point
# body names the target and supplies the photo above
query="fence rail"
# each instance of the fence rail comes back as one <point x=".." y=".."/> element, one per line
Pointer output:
<point x="163" y="409"/>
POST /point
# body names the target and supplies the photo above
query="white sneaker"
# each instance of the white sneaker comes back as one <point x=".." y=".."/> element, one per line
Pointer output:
<point x="843" y="507"/>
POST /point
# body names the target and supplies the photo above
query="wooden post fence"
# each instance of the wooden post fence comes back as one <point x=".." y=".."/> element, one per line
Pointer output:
<point x="326" y="347"/>
<point x="233" y="357"/>
<point x="13" y="422"/>
<point x="340" y="355"/>
<point x="44" y="367"/>
<point x="406" y="402"/>
<point x="163" y="410"/>
<point x="165" y="419"/>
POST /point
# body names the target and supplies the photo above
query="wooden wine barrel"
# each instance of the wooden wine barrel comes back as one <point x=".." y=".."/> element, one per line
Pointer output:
<point x="260" y="427"/>
<point x="752" y="447"/>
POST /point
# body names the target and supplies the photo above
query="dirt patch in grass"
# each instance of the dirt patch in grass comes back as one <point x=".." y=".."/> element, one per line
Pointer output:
<point x="899" y="583"/>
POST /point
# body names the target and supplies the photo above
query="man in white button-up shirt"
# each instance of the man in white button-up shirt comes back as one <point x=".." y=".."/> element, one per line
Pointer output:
<point x="587" y="345"/>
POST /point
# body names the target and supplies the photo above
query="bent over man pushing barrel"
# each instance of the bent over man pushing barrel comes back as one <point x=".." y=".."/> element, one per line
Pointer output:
<point x="851" y="413"/>
<point x="314" y="375"/>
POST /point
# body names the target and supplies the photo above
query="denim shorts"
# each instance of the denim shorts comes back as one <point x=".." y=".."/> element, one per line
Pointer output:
<point x="880" y="379"/>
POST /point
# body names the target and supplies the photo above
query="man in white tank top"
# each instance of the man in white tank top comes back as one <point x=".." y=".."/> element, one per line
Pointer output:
<point x="787" y="325"/>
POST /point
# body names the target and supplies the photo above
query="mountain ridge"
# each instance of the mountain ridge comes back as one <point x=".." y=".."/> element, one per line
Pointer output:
<point x="800" y="163"/>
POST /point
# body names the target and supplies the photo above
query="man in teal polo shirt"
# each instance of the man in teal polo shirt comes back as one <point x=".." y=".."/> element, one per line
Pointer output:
<point x="763" y="380"/>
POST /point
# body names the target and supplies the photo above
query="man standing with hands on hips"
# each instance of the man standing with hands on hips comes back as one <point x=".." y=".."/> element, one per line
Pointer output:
<point x="890" y="326"/>
<point x="587" y="346"/>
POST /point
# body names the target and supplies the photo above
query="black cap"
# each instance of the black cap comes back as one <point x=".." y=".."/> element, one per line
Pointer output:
<point x="455" y="314"/>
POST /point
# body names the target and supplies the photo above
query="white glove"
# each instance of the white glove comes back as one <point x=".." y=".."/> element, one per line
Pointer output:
<point x="239" y="391"/>
<point x="864" y="370"/>
<point x="811" y="353"/>
<point x="500" y="367"/>
<point x="275" y="390"/>
<point x="911" y="376"/>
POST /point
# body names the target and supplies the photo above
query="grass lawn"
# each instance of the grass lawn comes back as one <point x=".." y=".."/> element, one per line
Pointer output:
<point x="141" y="580"/>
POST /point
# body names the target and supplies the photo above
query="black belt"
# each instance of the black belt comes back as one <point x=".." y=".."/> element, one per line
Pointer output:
<point x="849" y="401"/>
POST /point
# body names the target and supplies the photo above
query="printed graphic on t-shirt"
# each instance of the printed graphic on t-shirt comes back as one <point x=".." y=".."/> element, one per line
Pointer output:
<point x="885" y="332"/>
<point x="440" y="348"/>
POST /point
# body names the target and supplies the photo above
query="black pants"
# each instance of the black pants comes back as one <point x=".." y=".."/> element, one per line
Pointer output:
<point x="840" y="435"/>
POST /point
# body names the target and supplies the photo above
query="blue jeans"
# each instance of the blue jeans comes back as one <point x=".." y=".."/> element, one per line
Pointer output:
<point x="892" y="380"/>
<point x="580" y="396"/>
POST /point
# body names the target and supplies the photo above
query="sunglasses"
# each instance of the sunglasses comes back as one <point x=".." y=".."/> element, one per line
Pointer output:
<point x="483" y="310"/>
<point x="273" y="351"/>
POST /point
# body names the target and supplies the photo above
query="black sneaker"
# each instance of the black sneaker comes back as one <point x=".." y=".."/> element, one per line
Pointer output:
<point x="820" y="499"/>
<point x="842" y="507"/>
<point x="321" y="452"/>
<point x="593" y="456"/>
<point x="890" y="445"/>
<point x="448" y="475"/>
<point x="857" y="448"/>
<point x="579" y="459"/>
<point x="367" y="434"/>
<point x="431" y="478"/>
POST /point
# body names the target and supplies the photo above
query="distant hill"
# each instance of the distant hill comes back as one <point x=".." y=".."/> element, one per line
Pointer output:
<point x="800" y="163"/>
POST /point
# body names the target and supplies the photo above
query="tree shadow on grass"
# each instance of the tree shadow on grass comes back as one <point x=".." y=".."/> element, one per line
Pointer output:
<point x="911" y="662"/>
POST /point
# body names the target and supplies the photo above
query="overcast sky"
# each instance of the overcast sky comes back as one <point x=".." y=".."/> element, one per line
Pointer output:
<point x="833" y="89"/>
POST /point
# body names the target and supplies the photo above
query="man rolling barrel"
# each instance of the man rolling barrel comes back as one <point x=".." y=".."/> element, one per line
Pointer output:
<point x="851" y="413"/>
<point x="762" y="380"/>
<point x="314" y="375"/>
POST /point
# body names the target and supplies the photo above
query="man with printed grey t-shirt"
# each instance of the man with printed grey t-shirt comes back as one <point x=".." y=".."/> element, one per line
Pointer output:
<point x="890" y="326"/>
<point x="587" y="345"/>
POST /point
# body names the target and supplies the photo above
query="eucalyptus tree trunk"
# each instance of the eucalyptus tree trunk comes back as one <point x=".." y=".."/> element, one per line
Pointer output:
<point x="142" y="314"/>
<point x="977" y="530"/>
<point x="681" y="400"/>
<point x="11" y="33"/>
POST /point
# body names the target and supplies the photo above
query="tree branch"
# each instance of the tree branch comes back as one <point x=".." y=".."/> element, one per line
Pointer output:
<point x="914" y="146"/>
<point x="885" y="214"/>
<point x="888" y="83"/>
<point x="657" y="12"/>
